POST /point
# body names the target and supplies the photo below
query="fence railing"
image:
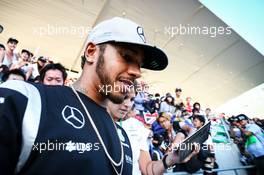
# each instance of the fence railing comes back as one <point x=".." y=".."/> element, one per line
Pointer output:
<point x="235" y="169"/>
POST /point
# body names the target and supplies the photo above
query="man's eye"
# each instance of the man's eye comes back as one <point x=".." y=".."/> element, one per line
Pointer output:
<point x="127" y="57"/>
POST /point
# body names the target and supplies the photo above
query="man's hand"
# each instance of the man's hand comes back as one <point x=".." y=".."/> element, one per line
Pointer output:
<point x="158" y="167"/>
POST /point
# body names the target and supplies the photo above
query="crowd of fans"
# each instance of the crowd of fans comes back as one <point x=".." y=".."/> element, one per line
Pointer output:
<point x="178" y="118"/>
<point x="175" y="117"/>
<point x="248" y="135"/>
<point x="25" y="66"/>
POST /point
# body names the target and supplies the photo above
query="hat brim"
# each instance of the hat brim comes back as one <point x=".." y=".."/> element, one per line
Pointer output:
<point x="12" y="41"/>
<point x="155" y="58"/>
<point x="25" y="51"/>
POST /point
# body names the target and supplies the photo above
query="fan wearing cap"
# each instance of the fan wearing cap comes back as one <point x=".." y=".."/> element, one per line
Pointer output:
<point x="238" y="137"/>
<point x="33" y="115"/>
<point x="168" y="104"/>
<point x="10" y="56"/>
<point x="255" y="141"/>
<point x="2" y="53"/>
<point x="234" y="130"/>
<point x="24" y="63"/>
<point x="38" y="66"/>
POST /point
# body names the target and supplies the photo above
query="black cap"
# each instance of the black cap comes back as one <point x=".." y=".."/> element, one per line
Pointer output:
<point x="235" y="119"/>
<point x="25" y="51"/>
<point x="12" y="40"/>
<point x="42" y="59"/>
<point x="2" y="46"/>
<point x="178" y="89"/>
<point x="232" y="119"/>
<point x="168" y="95"/>
<point x="241" y="117"/>
<point x="155" y="59"/>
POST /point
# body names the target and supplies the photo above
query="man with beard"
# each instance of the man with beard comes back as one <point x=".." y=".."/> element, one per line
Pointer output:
<point x="67" y="130"/>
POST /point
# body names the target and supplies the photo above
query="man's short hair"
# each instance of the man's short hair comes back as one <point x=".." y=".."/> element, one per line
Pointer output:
<point x="56" y="66"/>
<point x="164" y="115"/>
<point x="201" y="118"/>
<point x="13" y="71"/>
<point x="208" y="109"/>
<point x="83" y="61"/>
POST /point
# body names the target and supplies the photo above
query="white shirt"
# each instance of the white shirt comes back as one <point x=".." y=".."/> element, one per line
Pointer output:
<point x="255" y="143"/>
<point x="138" y="137"/>
<point x="35" y="70"/>
<point x="7" y="62"/>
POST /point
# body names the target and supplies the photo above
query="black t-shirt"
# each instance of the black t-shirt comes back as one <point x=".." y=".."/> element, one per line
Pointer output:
<point x="47" y="131"/>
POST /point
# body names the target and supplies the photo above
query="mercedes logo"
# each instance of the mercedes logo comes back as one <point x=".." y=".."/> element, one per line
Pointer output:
<point x="73" y="116"/>
<point x="140" y="32"/>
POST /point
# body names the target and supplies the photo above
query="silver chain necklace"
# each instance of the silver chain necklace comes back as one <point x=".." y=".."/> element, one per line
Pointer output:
<point x="113" y="163"/>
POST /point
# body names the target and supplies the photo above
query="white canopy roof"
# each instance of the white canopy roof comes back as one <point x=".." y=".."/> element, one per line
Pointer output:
<point x="210" y="69"/>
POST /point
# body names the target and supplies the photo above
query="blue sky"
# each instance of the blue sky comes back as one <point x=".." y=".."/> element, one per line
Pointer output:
<point x="246" y="17"/>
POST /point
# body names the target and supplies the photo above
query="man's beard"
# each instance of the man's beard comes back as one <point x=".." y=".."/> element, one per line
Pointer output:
<point x="106" y="81"/>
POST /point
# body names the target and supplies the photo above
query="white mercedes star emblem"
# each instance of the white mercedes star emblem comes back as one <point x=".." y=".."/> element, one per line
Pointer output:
<point x="73" y="116"/>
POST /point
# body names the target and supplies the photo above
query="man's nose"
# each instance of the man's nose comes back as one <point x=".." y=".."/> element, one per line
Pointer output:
<point x="134" y="70"/>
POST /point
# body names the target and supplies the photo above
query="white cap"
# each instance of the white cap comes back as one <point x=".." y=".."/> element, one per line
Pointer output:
<point x="126" y="31"/>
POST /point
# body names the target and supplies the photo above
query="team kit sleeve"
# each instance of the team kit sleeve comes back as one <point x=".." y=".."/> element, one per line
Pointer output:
<point x="12" y="107"/>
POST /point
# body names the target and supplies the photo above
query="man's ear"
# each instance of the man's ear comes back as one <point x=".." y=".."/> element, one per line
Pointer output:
<point x="90" y="53"/>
